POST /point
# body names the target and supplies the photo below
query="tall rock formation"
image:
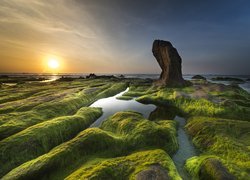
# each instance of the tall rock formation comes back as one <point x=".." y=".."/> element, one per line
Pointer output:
<point x="170" y="63"/>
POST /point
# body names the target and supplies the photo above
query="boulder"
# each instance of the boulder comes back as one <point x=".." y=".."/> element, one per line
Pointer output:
<point x="170" y="63"/>
<point x="91" y="76"/>
<point x="155" y="172"/>
<point x="199" y="77"/>
<point x="214" y="169"/>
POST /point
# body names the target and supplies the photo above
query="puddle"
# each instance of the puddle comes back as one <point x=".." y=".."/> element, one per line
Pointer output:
<point x="186" y="149"/>
<point x="112" y="105"/>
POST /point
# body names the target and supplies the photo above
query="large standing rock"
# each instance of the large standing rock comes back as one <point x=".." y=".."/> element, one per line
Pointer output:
<point x="170" y="63"/>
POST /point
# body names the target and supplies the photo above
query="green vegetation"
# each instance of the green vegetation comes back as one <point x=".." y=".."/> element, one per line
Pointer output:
<point x="203" y="102"/>
<point x="44" y="130"/>
<point x="223" y="139"/>
<point x="40" y="138"/>
<point x="208" y="167"/>
<point x="121" y="134"/>
<point x="127" y="167"/>
<point x="7" y="79"/>
<point x="141" y="133"/>
<point x="139" y="89"/>
<point x="53" y="103"/>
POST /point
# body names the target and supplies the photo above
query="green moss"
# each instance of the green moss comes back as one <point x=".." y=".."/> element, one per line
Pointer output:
<point x="141" y="132"/>
<point x="186" y="105"/>
<point x="126" y="167"/>
<point x="181" y="99"/>
<point x="90" y="141"/>
<point x="209" y="167"/>
<point x="42" y="137"/>
<point x="194" y="164"/>
<point x="121" y="134"/>
<point x="68" y="105"/>
<point x="139" y="89"/>
<point x="225" y="139"/>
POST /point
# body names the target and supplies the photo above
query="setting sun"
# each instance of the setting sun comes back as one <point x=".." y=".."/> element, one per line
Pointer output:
<point x="53" y="63"/>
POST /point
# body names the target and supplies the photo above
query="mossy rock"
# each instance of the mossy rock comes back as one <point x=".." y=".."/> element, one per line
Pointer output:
<point x="214" y="169"/>
<point x="227" y="140"/>
<point x="39" y="139"/>
<point x="151" y="164"/>
<point x="66" y="104"/>
<point x="141" y="132"/>
<point x="121" y="134"/>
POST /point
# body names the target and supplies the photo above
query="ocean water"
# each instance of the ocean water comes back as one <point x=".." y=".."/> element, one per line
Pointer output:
<point x="51" y="77"/>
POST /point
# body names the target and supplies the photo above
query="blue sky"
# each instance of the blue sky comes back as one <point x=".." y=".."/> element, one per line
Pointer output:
<point x="116" y="36"/>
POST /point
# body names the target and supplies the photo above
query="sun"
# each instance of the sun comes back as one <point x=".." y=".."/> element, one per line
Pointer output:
<point x="53" y="63"/>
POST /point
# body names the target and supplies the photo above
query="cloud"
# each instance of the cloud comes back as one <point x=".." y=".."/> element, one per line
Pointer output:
<point x="116" y="35"/>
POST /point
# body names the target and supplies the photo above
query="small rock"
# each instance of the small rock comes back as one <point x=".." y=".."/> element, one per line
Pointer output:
<point x="91" y="76"/>
<point x="155" y="172"/>
<point x="199" y="77"/>
<point x="214" y="169"/>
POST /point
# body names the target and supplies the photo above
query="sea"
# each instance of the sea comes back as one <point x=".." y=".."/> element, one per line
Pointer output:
<point x="51" y="77"/>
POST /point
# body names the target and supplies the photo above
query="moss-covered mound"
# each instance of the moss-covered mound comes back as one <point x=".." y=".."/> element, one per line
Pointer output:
<point x="224" y="139"/>
<point x="141" y="133"/>
<point x="121" y="134"/>
<point x="43" y="131"/>
<point x="134" y="166"/>
<point x="213" y="169"/>
<point x="39" y="139"/>
<point x="46" y="103"/>
<point x="203" y="100"/>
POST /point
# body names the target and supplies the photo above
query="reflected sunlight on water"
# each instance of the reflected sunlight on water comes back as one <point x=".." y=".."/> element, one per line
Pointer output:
<point x="112" y="105"/>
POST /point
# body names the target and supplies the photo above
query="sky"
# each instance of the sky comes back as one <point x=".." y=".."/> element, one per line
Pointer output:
<point x="116" y="36"/>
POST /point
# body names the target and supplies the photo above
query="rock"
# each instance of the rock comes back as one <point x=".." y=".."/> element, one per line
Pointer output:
<point x="170" y="63"/>
<point x="214" y="169"/>
<point x="228" y="79"/>
<point x="91" y="76"/>
<point x="199" y="77"/>
<point x="4" y="76"/>
<point x="155" y="172"/>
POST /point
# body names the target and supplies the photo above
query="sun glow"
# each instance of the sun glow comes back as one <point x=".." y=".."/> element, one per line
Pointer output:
<point x="53" y="63"/>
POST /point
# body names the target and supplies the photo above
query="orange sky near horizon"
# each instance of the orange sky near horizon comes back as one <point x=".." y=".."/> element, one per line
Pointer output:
<point x="32" y="31"/>
<point x="116" y="36"/>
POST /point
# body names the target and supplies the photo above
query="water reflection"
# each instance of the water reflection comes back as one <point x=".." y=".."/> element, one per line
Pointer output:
<point x="186" y="148"/>
<point x="112" y="105"/>
<point x="163" y="113"/>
